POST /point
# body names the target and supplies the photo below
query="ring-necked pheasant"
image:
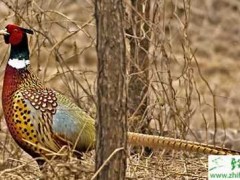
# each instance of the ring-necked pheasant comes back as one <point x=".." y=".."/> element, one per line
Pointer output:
<point x="39" y="119"/>
<point x="42" y="120"/>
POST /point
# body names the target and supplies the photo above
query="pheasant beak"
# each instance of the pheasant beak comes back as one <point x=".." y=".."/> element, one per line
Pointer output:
<point x="4" y="32"/>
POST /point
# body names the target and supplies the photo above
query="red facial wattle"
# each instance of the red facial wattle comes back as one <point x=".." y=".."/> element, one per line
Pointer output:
<point x="15" y="34"/>
<point x="16" y="38"/>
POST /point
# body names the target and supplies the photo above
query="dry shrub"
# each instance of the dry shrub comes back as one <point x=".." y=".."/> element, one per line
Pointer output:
<point x="192" y="80"/>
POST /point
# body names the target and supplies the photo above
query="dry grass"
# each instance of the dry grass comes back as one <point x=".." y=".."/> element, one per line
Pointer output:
<point x="193" y="86"/>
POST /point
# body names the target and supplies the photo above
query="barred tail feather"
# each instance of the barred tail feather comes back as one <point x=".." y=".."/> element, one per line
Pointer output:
<point x="177" y="144"/>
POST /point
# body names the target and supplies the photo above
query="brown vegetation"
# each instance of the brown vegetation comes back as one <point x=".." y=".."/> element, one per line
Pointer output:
<point x="193" y="79"/>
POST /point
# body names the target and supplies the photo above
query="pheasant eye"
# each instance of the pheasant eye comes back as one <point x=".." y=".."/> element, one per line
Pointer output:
<point x="15" y="37"/>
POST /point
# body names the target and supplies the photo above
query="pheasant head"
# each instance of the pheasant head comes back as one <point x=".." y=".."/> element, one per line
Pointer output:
<point x="17" y="37"/>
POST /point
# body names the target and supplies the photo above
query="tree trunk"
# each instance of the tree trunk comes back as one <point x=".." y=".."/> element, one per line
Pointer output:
<point x="139" y="64"/>
<point x="111" y="91"/>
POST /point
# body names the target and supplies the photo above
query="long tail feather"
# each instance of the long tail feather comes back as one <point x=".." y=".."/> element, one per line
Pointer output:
<point x="177" y="144"/>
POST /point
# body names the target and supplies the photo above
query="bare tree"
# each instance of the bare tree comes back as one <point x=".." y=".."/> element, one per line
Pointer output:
<point x="111" y="92"/>
<point x="140" y="33"/>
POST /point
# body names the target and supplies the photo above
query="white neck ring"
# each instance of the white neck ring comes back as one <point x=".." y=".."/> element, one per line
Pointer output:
<point x="18" y="64"/>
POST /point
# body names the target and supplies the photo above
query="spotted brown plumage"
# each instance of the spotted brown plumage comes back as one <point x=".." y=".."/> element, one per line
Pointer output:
<point x="39" y="119"/>
<point x="42" y="120"/>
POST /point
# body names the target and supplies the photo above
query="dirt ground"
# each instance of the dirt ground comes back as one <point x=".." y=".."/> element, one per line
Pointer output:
<point x="213" y="32"/>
